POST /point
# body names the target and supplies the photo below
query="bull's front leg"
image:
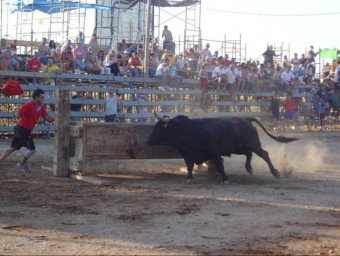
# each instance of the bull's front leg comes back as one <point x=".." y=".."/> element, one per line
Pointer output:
<point x="190" y="167"/>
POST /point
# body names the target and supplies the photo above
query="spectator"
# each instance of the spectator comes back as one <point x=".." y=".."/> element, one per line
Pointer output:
<point x="77" y="106"/>
<point x="275" y="109"/>
<point x="101" y="63"/>
<point x="153" y="64"/>
<point x="80" y="38"/>
<point x="51" y="68"/>
<point x="67" y="56"/>
<point x="206" y="52"/>
<point x="269" y="55"/>
<point x="53" y="46"/>
<point x="326" y="70"/>
<point x="219" y="77"/>
<point x="44" y="51"/>
<point x="311" y="54"/>
<point x="3" y="47"/>
<point x="29" y="114"/>
<point x="34" y="65"/>
<point x="94" y="42"/>
<point x="134" y="64"/>
<point x="287" y="79"/>
<point x="295" y="62"/>
<point x="290" y="107"/>
<point x="111" y="62"/>
<point x="78" y="57"/>
<point x="167" y="35"/>
<point x="91" y="63"/>
<point x="111" y="105"/>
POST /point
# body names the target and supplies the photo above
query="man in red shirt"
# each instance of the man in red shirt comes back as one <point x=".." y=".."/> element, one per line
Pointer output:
<point x="29" y="114"/>
<point x="34" y="65"/>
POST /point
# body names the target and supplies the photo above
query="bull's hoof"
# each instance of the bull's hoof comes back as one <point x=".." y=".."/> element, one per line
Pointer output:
<point x="188" y="181"/>
<point x="225" y="182"/>
<point x="276" y="174"/>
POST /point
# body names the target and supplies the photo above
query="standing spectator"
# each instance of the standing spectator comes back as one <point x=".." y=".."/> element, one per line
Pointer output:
<point x="29" y="114"/>
<point x="269" y="55"/>
<point x="290" y="107"/>
<point x="111" y="105"/>
<point x="295" y="62"/>
<point x="80" y="38"/>
<point x="3" y="47"/>
<point x="167" y="35"/>
<point x="275" y="109"/>
<point x="94" y="42"/>
<point x="326" y="70"/>
<point x="311" y="54"/>
<point x="44" y="51"/>
<point x="206" y="53"/>
<point x="77" y="106"/>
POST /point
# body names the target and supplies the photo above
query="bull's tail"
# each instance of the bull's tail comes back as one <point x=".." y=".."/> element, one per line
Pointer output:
<point x="281" y="139"/>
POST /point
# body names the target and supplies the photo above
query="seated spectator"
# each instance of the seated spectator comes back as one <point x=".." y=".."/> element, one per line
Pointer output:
<point x="91" y="63"/>
<point x="111" y="63"/>
<point x="153" y="64"/>
<point x="287" y="79"/>
<point x="219" y="77"/>
<point x="34" y="65"/>
<point x="163" y="72"/>
<point x="78" y="57"/>
<point x="5" y="63"/>
<point x="3" y="47"/>
<point x="135" y="65"/>
<point x="44" y="51"/>
<point x="101" y="63"/>
<point x="53" y="46"/>
<point x="67" y="57"/>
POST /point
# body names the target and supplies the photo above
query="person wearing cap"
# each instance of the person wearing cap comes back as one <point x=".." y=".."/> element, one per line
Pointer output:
<point x="206" y="52"/>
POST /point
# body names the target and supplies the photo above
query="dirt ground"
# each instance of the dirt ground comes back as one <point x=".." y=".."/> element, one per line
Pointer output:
<point x="148" y="210"/>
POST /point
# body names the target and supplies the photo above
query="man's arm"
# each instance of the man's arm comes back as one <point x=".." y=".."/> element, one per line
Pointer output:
<point x="49" y="118"/>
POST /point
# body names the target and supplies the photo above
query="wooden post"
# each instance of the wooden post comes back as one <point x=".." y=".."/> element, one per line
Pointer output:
<point x="62" y="134"/>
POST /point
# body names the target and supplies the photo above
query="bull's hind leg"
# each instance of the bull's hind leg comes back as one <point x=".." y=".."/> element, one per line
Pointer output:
<point x="190" y="167"/>
<point x="265" y="156"/>
<point x="218" y="160"/>
<point x="248" y="165"/>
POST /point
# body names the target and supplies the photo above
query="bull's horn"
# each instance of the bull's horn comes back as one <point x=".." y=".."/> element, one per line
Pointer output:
<point x="160" y="118"/>
<point x="157" y="116"/>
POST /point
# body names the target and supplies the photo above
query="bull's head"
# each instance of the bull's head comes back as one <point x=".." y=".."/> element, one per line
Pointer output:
<point x="158" y="135"/>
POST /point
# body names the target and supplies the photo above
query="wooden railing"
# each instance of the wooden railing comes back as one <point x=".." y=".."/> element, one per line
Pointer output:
<point x="168" y="101"/>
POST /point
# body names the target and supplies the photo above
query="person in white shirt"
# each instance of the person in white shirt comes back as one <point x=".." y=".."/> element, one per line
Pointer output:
<point x="111" y="105"/>
<point x="206" y="52"/>
<point x="287" y="78"/>
<point x="218" y="76"/>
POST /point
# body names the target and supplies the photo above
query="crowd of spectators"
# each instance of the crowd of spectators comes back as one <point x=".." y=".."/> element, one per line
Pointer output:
<point x="215" y="71"/>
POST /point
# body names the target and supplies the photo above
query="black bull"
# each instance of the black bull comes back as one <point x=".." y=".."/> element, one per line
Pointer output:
<point x="202" y="139"/>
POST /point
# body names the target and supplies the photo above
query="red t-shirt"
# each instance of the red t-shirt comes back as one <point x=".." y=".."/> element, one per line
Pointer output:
<point x="290" y="105"/>
<point x="34" y="65"/>
<point x="30" y="113"/>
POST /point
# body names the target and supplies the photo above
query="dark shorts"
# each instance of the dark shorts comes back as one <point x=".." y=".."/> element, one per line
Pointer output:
<point x="110" y="118"/>
<point x="22" y="138"/>
<point x="290" y="115"/>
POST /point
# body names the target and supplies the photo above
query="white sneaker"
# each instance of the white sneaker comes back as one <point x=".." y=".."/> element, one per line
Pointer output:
<point x="23" y="167"/>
